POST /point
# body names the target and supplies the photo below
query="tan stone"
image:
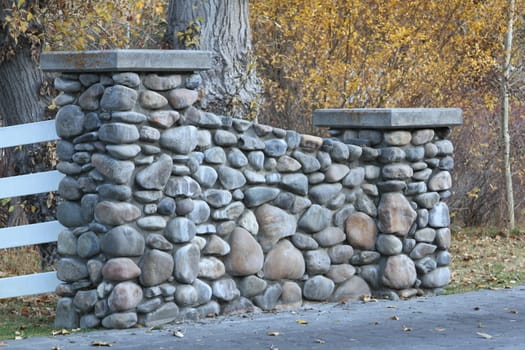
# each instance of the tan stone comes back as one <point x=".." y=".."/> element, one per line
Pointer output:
<point x="246" y="256"/>
<point x="361" y="231"/>
<point x="395" y="214"/>
<point x="284" y="261"/>
<point x="120" y="269"/>
<point x="274" y="224"/>
<point x="400" y="272"/>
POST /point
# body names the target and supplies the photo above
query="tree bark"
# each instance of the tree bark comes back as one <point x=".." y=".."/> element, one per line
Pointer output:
<point x="231" y="87"/>
<point x="505" y="137"/>
<point x="22" y="100"/>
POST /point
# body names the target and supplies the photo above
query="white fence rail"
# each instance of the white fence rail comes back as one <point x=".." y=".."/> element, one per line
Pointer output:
<point x="22" y="185"/>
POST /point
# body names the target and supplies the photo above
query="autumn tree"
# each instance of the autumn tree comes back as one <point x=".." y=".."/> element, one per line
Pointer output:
<point x="231" y="87"/>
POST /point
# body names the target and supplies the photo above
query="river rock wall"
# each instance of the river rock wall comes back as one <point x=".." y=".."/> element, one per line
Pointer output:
<point x="176" y="213"/>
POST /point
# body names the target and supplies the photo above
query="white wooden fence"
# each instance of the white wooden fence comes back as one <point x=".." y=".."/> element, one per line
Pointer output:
<point x="22" y="185"/>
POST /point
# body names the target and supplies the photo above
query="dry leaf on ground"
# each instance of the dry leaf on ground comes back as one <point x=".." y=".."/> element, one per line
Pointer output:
<point x="273" y="333"/>
<point x="484" y="335"/>
<point x="100" y="343"/>
<point x="302" y="322"/>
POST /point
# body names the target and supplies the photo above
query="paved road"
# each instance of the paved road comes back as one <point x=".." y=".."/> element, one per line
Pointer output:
<point x="477" y="320"/>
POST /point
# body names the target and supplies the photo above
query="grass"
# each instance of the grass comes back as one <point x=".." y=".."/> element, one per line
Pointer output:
<point x="482" y="258"/>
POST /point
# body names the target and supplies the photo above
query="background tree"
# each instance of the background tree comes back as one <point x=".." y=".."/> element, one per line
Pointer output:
<point x="231" y="87"/>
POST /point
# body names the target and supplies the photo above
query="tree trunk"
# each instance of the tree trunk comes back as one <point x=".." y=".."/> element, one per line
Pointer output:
<point x="22" y="100"/>
<point x="221" y="26"/>
<point x="505" y="137"/>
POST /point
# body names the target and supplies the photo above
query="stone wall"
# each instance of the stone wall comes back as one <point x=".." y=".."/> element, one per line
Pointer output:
<point x="176" y="213"/>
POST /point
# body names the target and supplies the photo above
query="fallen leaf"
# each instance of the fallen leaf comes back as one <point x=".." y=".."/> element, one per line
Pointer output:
<point x="407" y="329"/>
<point x="439" y="329"/>
<point x="512" y="311"/>
<point x="484" y="335"/>
<point x="476" y="308"/>
<point x="395" y="318"/>
<point x="178" y="334"/>
<point x="320" y="341"/>
<point x="60" y="332"/>
<point x="481" y="325"/>
<point x="18" y="337"/>
<point x="2" y="344"/>
<point x="55" y="348"/>
<point x="391" y="307"/>
<point x="301" y="322"/>
<point x="100" y="343"/>
<point x="211" y="315"/>
<point x="273" y="334"/>
<point x="368" y="299"/>
<point x="375" y="323"/>
<point x="273" y="347"/>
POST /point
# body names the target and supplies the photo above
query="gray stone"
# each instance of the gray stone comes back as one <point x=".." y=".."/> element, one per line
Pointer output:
<point x="416" y="188"/>
<point x="361" y="231"/>
<point x="316" y="178"/>
<point x="321" y="194"/>
<point x="120" y="320"/>
<point x="69" y="121"/>
<point x="157" y="267"/>
<point x="372" y="172"/>
<point x="342" y="214"/>
<point x="440" y="182"/>
<point x="187" y="263"/>
<point x="147" y="196"/>
<point x="256" y="160"/>
<point x="204" y="140"/>
<point x="439" y="216"/>
<point x="397" y="138"/>
<point x="237" y="158"/>
<point x="224" y="138"/>
<point x="89" y="321"/>
<point x="200" y="212"/>
<point x="274" y="224"/>
<point x="425" y="235"/>
<point x="118" y="98"/>
<point x="370" y="190"/>
<point x="248" y="143"/>
<point x="186" y="295"/>
<point x="258" y="195"/>
<point x="114" y="214"/>
<point x="165" y="314"/>
<point x="152" y="100"/>
<point x="318" y="288"/>
<point x="249" y="222"/>
<point x="421" y="250"/>
<point x="365" y="257"/>
<point x="395" y="214"/>
<point x="340" y="254"/>
<point x="182" y="186"/>
<point x="149" y="134"/>
<point x="420" y="137"/>
<point x="66" y="243"/>
<point x="287" y="164"/>
<point x="365" y="204"/>
<point x="88" y="245"/>
<point x="225" y="289"/>
<point x="231" y="178"/>
<point x="391" y="155"/>
<point x="431" y="150"/>
<point x="69" y="214"/>
<point x="340" y="273"/>
<point x="389" y="245"/>
<point x="330" y="236"/>
<point x="397" y="172"/>
<point x="122" y="241"/>
<point x="317" y="261"/>
<point x="85" y="300"/>
<point x="310" y="143"/>
<point x="114" y="192"/>
<point x="269" y="298"/>
<point x="116" y="171"/>
<point x="309" y="163"/>
<point x="415" y="154"/>
<point x="65" y="150"/>
<point x="217" y="198"/>
<point x="64" y="99"/>
<point x="67" y="85"/>
<point x="251" y="286"/>
<point x="125" y="296"/>
<point x="71" y="269"/>
<point x="254" y="177"/>
<point x="215" y="155"/>
<point x="275" y="147"/>
<point x="180" y="230"/>
<point x="422" y="218"/>
<point x="284" y="262"/>
<point x="445" y="147"/>
<point x="230" y="212"/>
<point x="354" y="289"/>
<point x="246" y="256"/>
<point x="437" y="278"/>
<point x="355" y="177"/>
<point x="204" y="291"/>
<point x="297" y="183"/>
<point x="162" y="82"/>
<point x="210" y="121"/>
<point x="89" y="100"/>
<point x="149" y="305"/>
<point x="304" y="242"/>
<point x="399" y="272"/>
<point x="127" y="79"/>
<point x="443" y="258"/>
<point x="315" y="219"/>
<point x="425" y="265"/>
<point x="66" y="315"/>
<point x="273" y="178"/>
<point x="427" y="200"/>
<point x="443" y="238"/>
<point x="123" y="152"/>
<point x="120" y="269"/>
<point x="216" y="246"/>
<point x="166" y="206"/>
<point x="422" y="175"/>
<point x="339" y="152"/>
<point x="211" y="268"/>
<point x="182" y="98"/>
<point x="182" y="139"/>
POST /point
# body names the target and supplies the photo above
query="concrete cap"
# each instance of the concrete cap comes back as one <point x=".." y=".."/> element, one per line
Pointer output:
<point x="387" y="118"/>
<point x="125" y="60"/>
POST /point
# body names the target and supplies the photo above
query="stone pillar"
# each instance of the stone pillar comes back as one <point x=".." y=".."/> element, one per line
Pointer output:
<point x="406" y="163"/>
